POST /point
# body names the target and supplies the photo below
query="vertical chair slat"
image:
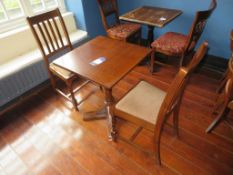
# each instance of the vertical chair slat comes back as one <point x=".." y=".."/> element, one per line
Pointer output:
<point x="44" y="38"/>
<point x="38" y="39"/>
<point x="53" y="33"/>
<point x="58" y="32"/>
<point x="66" y="32"/>
<point x="48" y="35"/>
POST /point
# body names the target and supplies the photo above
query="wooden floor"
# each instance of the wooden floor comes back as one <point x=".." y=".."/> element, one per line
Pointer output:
<point x="45" y="136"/>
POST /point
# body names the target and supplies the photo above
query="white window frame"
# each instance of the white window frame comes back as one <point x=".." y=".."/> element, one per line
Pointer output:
<point x="11" y="24"/>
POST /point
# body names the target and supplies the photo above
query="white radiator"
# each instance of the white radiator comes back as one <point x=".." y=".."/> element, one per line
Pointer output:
<point x="28" y="71"/>
<point x="19" y="82"/>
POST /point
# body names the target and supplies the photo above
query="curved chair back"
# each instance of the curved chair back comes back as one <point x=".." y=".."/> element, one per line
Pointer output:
<point x="198" y="27"/>
<point x="172" y="100"/>
<point x="179" y="82"/>
<point x="107" y="8"/>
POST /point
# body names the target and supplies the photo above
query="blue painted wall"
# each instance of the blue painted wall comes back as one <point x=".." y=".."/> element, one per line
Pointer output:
<point x="87" y="16"/>
<point x="217" y="30"/>
<point x="93" y="19"/>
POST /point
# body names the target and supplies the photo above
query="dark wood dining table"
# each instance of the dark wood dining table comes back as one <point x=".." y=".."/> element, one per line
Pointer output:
<point x="152" y="17"/>
<point x="105" y="62"/>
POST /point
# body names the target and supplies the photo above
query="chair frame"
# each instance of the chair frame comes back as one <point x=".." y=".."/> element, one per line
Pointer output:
<point x="48" y="35"/>
<point x="114" y="11"/>
<point x="194" y="35"/>
<point x="225" y="75"/>
<point x="224" y="102"/>
<point x="171" y="103"/>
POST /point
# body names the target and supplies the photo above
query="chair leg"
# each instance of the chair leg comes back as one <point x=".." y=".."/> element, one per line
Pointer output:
<point x="101" y="88"/>
<point x="176" y="121"/>
<point x="139" y="37"/>
<point x="152" y="61"/>
<point x="222" y="84"/>
<point x="52" y="80"/>
<point x="158" y="131"/>
<point x="74" y="102"/>
<point x="157" y="150"/>
<point x="181" y="61"/>
<point x="217" y="120"/>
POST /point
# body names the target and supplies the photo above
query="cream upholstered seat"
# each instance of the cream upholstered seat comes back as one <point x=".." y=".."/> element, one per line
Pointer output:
<point x="149" y="107"/>
<point x="146" y="109"/>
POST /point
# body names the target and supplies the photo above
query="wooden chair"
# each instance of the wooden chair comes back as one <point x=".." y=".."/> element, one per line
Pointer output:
<point x="120" y="31"/>
<point x="150" y="107"/>
<point x="224" y="101"/>
<point x="225" y="75"/>
<point x="52" y="38"/>
<point x="178" y="45"/>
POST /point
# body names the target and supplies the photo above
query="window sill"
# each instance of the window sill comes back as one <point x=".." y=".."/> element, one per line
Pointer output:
<point x="18" y="42"/>
<point x="29" y="58"/>
<point x="24" y="27"/>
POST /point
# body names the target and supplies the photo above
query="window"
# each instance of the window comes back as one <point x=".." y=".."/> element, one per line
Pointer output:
<point x="13" y="12"/>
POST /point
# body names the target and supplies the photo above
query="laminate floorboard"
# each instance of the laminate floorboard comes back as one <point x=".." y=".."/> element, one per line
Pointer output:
<point x="45" y="136"/>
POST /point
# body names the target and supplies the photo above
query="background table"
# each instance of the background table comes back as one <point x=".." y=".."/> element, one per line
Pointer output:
<point x="121" y="57"/>
<point x="152" y="17"/>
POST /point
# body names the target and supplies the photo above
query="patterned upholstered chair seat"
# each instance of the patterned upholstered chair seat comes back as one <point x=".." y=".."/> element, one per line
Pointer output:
<point x="171" y="43"/>
<point x="122" y="31"/>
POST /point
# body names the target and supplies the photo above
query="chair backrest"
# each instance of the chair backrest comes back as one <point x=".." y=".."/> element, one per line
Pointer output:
<point x="176" y="89"/>
<point x="50" y="33"/>
<point x="198" y="26"/>
<point x="107" y="8"/>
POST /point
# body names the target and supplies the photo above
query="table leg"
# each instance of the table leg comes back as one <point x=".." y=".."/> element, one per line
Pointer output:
<point x="107" y="111"/>
<point x="150" y="36"/>
<point x="109" y="102"/>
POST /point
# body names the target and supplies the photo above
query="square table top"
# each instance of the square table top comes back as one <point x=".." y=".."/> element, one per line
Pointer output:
<point x="121" y="57"/>
<point x="153" y="16"/>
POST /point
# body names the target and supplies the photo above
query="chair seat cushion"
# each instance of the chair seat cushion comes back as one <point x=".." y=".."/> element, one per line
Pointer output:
<point x="62" y="73"/>
<point x="170" y="43"/>
<point x="143" y="101"/>
<point x="123" y="31"/>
